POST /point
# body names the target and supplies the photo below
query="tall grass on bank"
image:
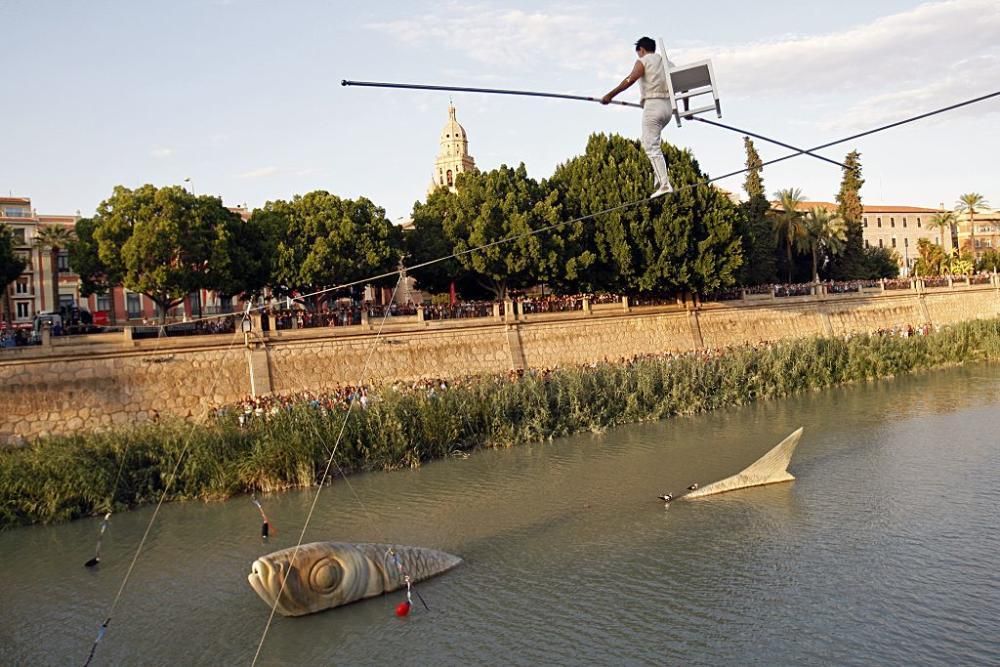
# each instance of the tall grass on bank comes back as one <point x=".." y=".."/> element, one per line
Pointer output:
<point x="67" y="477"/>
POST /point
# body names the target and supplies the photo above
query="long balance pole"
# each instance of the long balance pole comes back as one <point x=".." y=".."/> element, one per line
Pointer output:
<point x="563" y="96"/>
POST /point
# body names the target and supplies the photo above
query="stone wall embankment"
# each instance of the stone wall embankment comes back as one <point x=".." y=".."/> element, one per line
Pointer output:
<point x="106" y="382"/>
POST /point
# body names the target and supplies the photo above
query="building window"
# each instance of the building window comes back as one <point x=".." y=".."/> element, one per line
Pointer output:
<point x="904" y="223"/>
<point x="892" y="222"/>
<point x="18" y="233"/>
<point x="867" y="244"/>
<point x="133" y="304"/>
<point x="893" y="241"/>
<point x="918" y="223"/>
<point x="906" y="243"/>
<point x="880" y="244"/>
<point x="22" y="286"/>
<point x="103" y="302"/>
<point x="450" y="180"/>
<point x="62" y="261"/>
<point x="878" y="222"/>
<point x="22" y="310"/>
<point x="26" y="256"/>
<point x="866" y="222"/>
<point x="16" y="212"/>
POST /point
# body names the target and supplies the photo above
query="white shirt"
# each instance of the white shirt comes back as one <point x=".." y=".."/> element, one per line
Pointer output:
<point x="653" y="83"/>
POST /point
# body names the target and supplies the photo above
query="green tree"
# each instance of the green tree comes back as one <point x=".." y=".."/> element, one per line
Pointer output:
<point x="932" y="259"/>
<point x="989" y="261"/>
<point x="851" y="263"/>
<point x="683" y="242"/>
<point x="494" y="206"/>
<point x="788" y="223"/>
<point x="166" y="243"/>
<point x="825" y="236"/>
<point x="944" y="222"/>
<point x="11" y="266"/>
<point x="758" y="243"/>
<point x="880" y="263"/>
<point x="86" y="263"/>
<point x="962" y="265"/>
<point x="427" y="242"/>
<point x="54" y="238"/>
<point x="971" y="203"/>
<point x="321" y="240"/>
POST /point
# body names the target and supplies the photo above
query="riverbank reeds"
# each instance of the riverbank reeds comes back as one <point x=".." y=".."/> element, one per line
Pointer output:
<point x="67" y="477"/>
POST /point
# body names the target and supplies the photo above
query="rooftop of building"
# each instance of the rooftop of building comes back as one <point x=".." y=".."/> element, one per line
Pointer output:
<point x="881" y="208"/>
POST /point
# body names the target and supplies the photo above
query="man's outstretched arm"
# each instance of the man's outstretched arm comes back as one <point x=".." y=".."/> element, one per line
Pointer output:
<point x="637" y="71"/>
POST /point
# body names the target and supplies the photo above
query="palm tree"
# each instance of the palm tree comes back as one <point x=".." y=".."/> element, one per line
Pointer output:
<point x="968" y="203"/>
<point x="932" y="261"/>
<point x="823" y="231"/>
<point x="788" y="223"/>
<point x="961" y="266"/>
<point x="945" y="222"/>
<point x="55" y="238"/>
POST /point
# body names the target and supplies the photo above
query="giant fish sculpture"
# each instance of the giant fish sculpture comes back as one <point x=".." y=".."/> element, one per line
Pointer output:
<point x="329" y="574"/>
<point x="768" y="469"/>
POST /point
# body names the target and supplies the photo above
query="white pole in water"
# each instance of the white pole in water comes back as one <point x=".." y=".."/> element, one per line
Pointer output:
<point x="253" y="386"/>
<point x="246" y="326"/>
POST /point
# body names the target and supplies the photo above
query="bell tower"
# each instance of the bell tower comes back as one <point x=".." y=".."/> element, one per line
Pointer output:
<point x="453" y="155"/>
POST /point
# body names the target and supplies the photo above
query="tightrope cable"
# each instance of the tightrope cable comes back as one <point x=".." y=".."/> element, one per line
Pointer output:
<point x="618" y="207"/>
<point x="563" y="96"/>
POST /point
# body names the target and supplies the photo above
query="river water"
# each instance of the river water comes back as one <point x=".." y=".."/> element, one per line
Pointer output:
<point x="885" y="550"/>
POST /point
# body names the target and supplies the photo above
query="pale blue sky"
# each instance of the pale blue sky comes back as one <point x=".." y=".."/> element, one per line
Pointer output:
<point x="244" y="96"/>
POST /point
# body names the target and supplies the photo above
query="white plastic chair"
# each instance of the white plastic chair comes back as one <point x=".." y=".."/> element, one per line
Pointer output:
<point x="687" y="82"/>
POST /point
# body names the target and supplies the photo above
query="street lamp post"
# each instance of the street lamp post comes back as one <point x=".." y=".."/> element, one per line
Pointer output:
<point x="190" y="183"/>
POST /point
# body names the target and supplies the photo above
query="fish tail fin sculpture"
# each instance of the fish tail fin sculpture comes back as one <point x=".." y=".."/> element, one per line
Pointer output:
<point x="771" y="468"/>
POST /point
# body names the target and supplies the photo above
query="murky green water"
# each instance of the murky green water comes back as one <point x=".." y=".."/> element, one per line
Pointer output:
<point x="883" y="551"/>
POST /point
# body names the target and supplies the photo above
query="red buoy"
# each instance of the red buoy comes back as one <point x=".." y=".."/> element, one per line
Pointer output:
<point x="403" y="609"/>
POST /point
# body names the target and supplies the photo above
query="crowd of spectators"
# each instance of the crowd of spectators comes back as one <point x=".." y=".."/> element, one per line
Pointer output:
<point x="459" y="310"/>
<point x="907" y="330"/>
<point x="14" y="337"/>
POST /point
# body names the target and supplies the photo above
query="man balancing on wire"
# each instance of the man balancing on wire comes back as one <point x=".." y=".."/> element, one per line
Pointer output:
<point x="650" y="71"/>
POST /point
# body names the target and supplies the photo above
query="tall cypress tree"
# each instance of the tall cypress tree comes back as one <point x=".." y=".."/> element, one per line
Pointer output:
<point x="851" y="263"/>
<point x="758" y="239"/>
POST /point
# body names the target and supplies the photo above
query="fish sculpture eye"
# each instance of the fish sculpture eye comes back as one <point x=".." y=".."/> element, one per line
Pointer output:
<point x="326" y="575"/>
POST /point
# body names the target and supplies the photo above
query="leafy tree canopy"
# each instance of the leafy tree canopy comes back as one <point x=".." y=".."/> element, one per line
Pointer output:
<point x="320" y="240"/>
<point x="501" y="204"/>
<point x="165" y="243"/>
<point x="682" y="242"/>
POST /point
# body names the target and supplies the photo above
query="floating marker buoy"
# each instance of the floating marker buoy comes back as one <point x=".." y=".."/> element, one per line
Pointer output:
<point x="97" y="554"/>
<point x="265" y="528"/>
<point x="403" y="609"/>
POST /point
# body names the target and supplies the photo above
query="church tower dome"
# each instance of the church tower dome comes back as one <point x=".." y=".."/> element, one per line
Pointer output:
<point x="453" y="154"/>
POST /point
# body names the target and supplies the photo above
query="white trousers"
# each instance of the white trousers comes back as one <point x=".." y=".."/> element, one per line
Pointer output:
<point x="655" y="116"/>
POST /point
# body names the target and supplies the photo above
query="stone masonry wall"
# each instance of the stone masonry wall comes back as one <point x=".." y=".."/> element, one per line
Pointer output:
<point x="104" y="381"/>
